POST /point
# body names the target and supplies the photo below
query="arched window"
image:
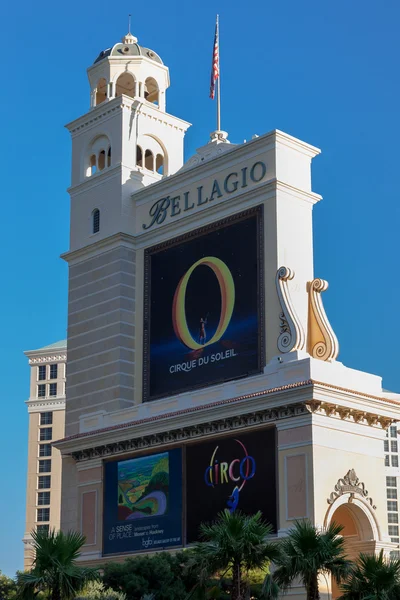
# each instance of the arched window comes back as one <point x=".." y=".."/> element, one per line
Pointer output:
<point x="151" y="90"/>
<point x="160" y="164"/>
<point x="126" y="85"/>
<point x="139" y="156"/>
<point x="96" y="221"/>
<point x="101" y="91"/>
<point x="92" y="165"/>
<point x="102" y="160"/>
<point x="149" y="160"/>
<point x="109" y="157"/>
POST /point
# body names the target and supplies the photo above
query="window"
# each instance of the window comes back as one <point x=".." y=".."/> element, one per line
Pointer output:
<point x="42" y="528"/>
<point x="41" y="372"/>
<point x="393" y="518"/>
<point x="387" y="463"/>
<point x="101" y="91"/>
<point x="45" y="465"/>
<point x="395" y="540"/>
<point x="149" y="160"/>
<point x="151" y="90"/>
<point x="44" y="449"/>
<point x="109" y="157"/>
<point x="41" y="390"/>
<point x="92" y="165"/>
<point x="102" y="160"/>
<point x="160" y="164"/>
<point x="44" y="482"/>
<point x="96" y="220"/>
<point x="52" y="389"/>
<point x="46" y="418"/>
<point x="46" y="434"/>
<point x="391" y="493"/>
<point x="139" y="156"/>
<point x="43" y="514"/>
<point x="394" y="554"/>
<point x="393" y="530"/>
<point x="393" y="445"/>
<point x="393" y="431"/>
<point x="43" y="498"/>
<point x="53" y="371"/>
<point x="391" y="481"/>
<point x="125" y="84"/>
<point x="392" y="505"/>
<point x="386" y="445"/>
<point x="395" y="460"/>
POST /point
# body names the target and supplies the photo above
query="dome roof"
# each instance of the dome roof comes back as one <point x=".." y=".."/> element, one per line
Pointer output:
<point x="127" y="48"/>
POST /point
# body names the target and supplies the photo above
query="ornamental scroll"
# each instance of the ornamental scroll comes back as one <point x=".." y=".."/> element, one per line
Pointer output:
<point x="322" y="342"/>
<point x="291" y="331"/>
<point x="350" y="484"/>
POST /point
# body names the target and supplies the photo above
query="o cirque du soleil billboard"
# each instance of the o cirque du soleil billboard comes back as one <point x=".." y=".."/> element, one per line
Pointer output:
<point x="203" y="309"/>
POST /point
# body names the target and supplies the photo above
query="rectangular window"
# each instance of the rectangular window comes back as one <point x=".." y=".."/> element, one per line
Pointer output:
<point x="41" y="372"/>
<point x="391" y="493"/>
<point x="43" y="514"/>
<point x="53" y="389"/>
<point x="393" y="431"/>
<point x="44" y="449"/>
<point x="393" y="530"/>
<point x="393" y="446"/>
<point x="46" y="418"/>
<point x="44" y="482"/>
<point x="392" y="505"/>
<point x="391" y="481"/>
<point x="43" y="498"/>
<point x="53" y="371"/>
<point x="41" y="390"/>
<point x="46" y="433"/>
<point x="387" y="463"/>
<point x="393" y="518"/>
<point x="45" y="465"/>
<point x="386" y="445"/>
<point x="395" y="460"/>
<point x="395" y="540"/>
<point x="42" y="528"/>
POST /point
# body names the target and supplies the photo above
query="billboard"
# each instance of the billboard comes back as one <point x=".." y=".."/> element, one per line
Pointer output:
<point x="235" y="473"/>
<point x="143" y="503"/>
<point x="203" y="307"/>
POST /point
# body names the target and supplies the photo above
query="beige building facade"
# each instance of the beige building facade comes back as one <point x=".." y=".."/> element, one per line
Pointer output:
<point x="46" y="410"/>
<point x="202" y="368"/>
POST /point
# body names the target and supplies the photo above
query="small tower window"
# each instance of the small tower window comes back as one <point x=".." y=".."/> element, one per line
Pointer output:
<point x="93" y="166"/>
<point x="149" y="160"/>
<point x="139" y="156"/>
<point x="101" y="91"/>
<point x="126" y="85"/>
<point x="109" y="157"/>
<point x="96" y="221"/>
<point x="151" y="92"/>
<point x="160" y="164"/>
<point x="102" y="160"/>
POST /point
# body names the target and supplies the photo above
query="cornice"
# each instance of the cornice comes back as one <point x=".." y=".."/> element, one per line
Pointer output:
<point x="95" y="180"/>
<point x="46" y="358"/>
<point x="43" y="404"/>
<point x="103" y="245"/>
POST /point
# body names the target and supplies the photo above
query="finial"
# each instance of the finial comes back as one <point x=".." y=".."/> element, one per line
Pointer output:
<point x="129" y="38"/>
<point x="129" y="23"/>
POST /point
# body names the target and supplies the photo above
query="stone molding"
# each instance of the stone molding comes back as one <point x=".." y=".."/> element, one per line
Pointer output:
<point x="322" y="341"/>
<point x="291" y="330"/>
<point x="330" y="409"/>
<point x="45" y="404"/>
<point x="350" y="484"/>
<point x="47" y="359"/>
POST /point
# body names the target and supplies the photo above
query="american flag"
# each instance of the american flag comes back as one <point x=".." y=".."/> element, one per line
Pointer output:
<point x="215" y="62"/>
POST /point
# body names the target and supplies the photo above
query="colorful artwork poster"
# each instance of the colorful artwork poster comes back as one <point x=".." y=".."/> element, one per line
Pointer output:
<point x="203" y="307"/>
<point x="143" y="503"/>
<point x="234" y="473"/>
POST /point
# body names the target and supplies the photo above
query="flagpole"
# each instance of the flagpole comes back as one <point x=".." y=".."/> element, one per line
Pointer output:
<point x="218" y="83"/>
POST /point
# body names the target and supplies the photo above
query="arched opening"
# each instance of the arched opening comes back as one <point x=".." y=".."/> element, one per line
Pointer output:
<point x="96" y="221"/>
<point x="149" y="160"/>
<point x="151" y="91"/>
<point x="102" y="160"/>
<point x="92" y="165"/>
<point x="126" y="85"/>
<point x="109" y="157"/>
<point x="160" y="164"/>
<point x="101" y="91"/>
<point x="139" y="156"/>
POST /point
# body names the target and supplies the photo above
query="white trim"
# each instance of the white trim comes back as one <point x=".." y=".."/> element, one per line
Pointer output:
<point x="92" y="482"/>
<point x="295" y="445"/>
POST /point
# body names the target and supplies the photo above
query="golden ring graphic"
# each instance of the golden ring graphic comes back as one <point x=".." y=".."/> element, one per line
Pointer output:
<point x="227" y="288"/>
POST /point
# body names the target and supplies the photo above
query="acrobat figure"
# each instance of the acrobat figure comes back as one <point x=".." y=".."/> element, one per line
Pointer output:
<point x="202" y="330"/>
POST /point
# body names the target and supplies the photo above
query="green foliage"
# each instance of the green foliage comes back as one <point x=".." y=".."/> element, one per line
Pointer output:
<point x="373" y="578"/>
<point x="164" y="575"/>
<point x="55" y="571"/>
<point x="307" y="553"/>
<point x="96" y="590"/>
<point x="8" y="587"/>
<point x="161" y="466"/>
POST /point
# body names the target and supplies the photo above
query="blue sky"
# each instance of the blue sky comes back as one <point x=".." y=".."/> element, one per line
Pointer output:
<point x="326" y="72"/>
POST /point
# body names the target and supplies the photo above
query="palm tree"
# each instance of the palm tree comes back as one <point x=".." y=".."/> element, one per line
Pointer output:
<point x="373" y="578"/>
<point x="234" y="542"/>
<point x="54" y="568"/>
<point x="305" y="554"/>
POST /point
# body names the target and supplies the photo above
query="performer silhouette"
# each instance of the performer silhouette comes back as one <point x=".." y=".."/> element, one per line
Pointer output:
<point x="202" y="330"/>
